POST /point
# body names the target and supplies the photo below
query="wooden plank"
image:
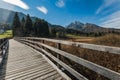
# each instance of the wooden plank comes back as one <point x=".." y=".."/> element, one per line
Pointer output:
<point x="51" y="77"/>
<point x="47" y="75"/>
<point x="22" y="59"/>
<point x="115" y="50"/>
<point x="26" y="69"/>
<point x="35" y="67"/>
<point x="27" y="72"/>
<point x="17" y="68"/>
<point x="97" y="68"/>
<point x="36" y="74"/>
<point x="59" y="78"/>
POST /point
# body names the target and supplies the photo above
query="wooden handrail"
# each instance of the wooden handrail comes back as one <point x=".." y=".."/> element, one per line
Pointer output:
<point x="1" y="45"/>
<point x="97" y="68"/>
<point x="3" y="49"/>
<point x="114" y="50"/>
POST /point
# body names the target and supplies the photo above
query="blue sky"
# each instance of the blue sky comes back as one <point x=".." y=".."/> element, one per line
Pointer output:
<point x="105" y="13"/>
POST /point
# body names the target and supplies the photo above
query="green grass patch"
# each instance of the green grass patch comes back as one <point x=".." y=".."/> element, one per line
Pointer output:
<point x="7" y="34"/>
<point x="72" y="36"/>
<point x="77" y="36"/>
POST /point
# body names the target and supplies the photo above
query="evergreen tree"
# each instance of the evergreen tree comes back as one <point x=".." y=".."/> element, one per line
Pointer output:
<point x="41" y="28"/>
<point x="16" y="25"/>
<point x="23" y="26"/>
<point x="54" y="32"/>
<point x="36" y="27"/>
<point x="44" y="28"/>
<point x="28" y="26"/>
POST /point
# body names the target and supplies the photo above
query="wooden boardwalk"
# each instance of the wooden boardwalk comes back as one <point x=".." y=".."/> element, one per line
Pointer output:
<point x="24" y="63"/>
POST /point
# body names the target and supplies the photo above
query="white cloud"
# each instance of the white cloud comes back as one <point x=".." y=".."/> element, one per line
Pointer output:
<point x="6" y="5"/>
<point x="112" y="21"/>
<point x="60" y="3"/>
<point x="43" y="9"/>
<point x="106" y="3"/>
<point x="18" y="3"/>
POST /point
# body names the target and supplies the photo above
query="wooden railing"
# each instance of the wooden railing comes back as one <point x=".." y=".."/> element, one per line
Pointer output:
<point x="37" y="42"/>
<point x="4" y="44"/>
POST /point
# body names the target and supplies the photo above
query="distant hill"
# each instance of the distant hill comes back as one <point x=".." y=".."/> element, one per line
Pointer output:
<point x="57" y="27"/>
<point x="6" y="16"/>
<point x="89" y="27"/>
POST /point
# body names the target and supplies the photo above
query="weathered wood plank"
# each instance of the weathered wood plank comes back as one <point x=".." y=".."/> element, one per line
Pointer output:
<point x="26" y="71"/>
<point x="36" y="67"/>
<point x="22" y="67"/>
<point x="59" y="78"/>
<point x="28" y="74"/>
<point x="37" y="74"/>
<point x="51" y="77"/>
<point x="47" y="75"/>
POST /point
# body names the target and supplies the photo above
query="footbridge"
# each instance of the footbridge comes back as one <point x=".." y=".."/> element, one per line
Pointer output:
<point x="30" y="58"/>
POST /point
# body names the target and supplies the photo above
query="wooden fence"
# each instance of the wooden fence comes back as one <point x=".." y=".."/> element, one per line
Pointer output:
<point x="4" y="44"/>
<point x="37" y="42"/>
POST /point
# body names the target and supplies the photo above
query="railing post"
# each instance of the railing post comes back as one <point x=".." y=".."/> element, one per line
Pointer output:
<point x="58" y="45"/>
<point x="43" y="43"/>
<point x="33" y="41"/>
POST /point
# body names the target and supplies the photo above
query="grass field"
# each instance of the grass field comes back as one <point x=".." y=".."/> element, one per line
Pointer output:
<point x="77" y="38"/>
<point x="7" y="34"/>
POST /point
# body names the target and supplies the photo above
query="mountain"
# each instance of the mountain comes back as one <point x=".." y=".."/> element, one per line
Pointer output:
<point x="75" y="25"/>
<point x="6" y="16"/>
<point x="89" y="27"/>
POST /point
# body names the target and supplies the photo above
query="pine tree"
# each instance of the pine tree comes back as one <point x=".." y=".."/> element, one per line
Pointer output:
<point x="41" y="28"/>
<point x="36" y="27"/>
<point x="44" y="28"/>
<point x="23" y="26"/>
<point x="28" y="26"/>
<point x="16" y="25"/>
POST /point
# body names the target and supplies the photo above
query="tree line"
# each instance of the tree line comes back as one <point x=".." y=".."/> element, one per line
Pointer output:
<point x="41" y="28"/>
<point x="90" y="34"/>
<point x="27" y="27"/>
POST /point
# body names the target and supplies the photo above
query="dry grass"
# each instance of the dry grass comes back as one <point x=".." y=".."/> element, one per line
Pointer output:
<point x="109" y="40"/>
